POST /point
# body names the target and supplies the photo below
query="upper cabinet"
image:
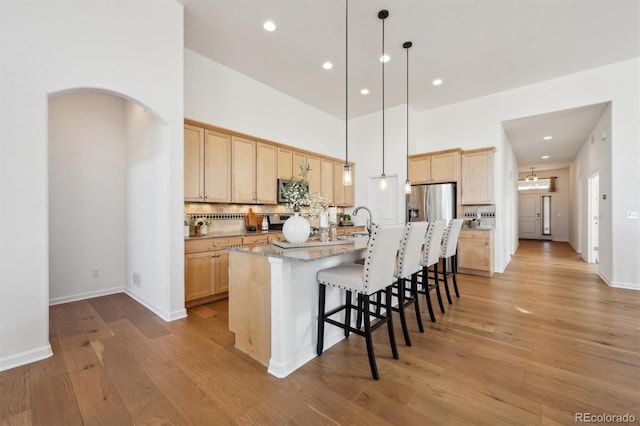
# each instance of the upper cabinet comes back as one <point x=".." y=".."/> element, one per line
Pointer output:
<point x="435" y="167"/>
<point x="477" y="176"/>
<point x="222" y="166"/>
<point x="207" y="175"/>
<point x="255" y="172"/>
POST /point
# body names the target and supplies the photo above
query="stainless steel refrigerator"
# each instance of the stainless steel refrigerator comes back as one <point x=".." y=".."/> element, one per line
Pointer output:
<point x="431" y="202"/>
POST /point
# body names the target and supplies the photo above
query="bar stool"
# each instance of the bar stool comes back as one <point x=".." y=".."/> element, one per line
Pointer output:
<point x="375" y="276"/>
<point x="430" y="258"/>
<point x="409" y="259"/>
<point x="449" y="247"/>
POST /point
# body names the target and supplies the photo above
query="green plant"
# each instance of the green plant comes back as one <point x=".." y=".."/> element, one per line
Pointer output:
<point x="296" y="192"/>
<point x="346" y="217"/>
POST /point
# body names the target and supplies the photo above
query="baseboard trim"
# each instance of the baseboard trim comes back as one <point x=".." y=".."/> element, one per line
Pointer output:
<point x="166" y="316"/>
<point x="84" y="296"/>
<point x="614" y="284"/>
<point x="26" y="357"/>
<point x="577" y="250"/>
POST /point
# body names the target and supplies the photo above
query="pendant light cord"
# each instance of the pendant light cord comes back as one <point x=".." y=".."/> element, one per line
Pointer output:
<point x="407" y="45"/>
<point x="346" y="84"/>
<point x="383" y="61"/>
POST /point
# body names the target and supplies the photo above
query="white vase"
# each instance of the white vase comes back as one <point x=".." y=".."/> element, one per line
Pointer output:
<point x="296" y="229"/>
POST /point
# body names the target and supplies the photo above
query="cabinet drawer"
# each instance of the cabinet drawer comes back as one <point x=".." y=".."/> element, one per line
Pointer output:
<point x="210" y="244"/>
<point x="484" y="235"/>
<point x="254" y="239"/>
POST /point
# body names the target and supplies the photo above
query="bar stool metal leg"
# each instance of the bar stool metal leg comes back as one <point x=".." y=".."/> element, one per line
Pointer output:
<point x="445" y="280"/>
<point x="347" y="315"/>
<point x="321" y="302"/>
<point x="403" y="320"/>
<point x="416" y="303"/>
<point x="392" y="336"/>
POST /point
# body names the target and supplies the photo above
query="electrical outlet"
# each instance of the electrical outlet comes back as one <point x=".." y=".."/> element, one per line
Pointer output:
<point x="632" y="215"/>
<point x="95" y="273"/>
<point x="136" y="278"/>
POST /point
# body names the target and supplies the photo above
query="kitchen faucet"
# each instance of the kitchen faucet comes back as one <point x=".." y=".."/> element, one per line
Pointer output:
<point x="355" y="212"/>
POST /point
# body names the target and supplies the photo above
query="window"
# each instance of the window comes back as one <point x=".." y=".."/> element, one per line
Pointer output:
<point x="541" y="184"/>
<point x="546" y="215"/>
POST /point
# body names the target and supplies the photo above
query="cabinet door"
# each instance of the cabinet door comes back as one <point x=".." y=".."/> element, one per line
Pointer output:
<point x="285" y="163"/>
<point x="221" y="276"/>
<point x="473" y="253"/>
<point x="315" y="174"/>
<point x="199" y="271"/>
<point x="193" y="163"/>
<point x="298" y="157"/>
<point x="217" y="167"/>
<point x="326" y="178"/>
<point x="445" y="167"/>
<point x="266" y="174"/>
<point x="338" y="187"/>
<point x="420" y="170"/>
<point x="477" y="178"/>
<point x="243" y="171"/>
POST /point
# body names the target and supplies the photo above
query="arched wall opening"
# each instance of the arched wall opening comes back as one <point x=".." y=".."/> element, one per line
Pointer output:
<point x="107" y="158"/>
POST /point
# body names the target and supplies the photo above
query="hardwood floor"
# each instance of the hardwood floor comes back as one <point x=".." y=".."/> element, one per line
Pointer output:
<point x="535" y="345"/>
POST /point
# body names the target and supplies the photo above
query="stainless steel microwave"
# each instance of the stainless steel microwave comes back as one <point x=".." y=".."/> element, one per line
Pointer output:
<point x="281" y="184"/>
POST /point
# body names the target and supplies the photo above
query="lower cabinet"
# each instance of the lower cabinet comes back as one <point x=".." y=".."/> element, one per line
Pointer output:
<point x="475" y="252"/>
<point x="206" y="270"/>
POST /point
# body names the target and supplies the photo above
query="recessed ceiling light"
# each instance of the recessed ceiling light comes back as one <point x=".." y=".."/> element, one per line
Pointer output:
<point x="546" y="138"/>
<point x="385" y="58"/>
<point x="437" y="82"/>
<point x="327" y="65"/>
<point x="269" y="26"/>
<point x="544" y="157"/>
<point x="364" y="91"/>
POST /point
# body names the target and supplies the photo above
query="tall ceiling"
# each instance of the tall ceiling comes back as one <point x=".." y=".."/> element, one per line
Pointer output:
<point x="477" y="47"/>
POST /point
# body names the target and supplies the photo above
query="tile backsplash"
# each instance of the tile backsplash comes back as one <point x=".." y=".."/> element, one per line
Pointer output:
<point x="485" y="213"/>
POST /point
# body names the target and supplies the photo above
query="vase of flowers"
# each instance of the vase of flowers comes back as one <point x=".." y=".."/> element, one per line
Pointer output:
<point x="296" y="192"/>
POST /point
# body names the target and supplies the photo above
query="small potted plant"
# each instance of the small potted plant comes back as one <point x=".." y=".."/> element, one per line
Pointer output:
<point x="345" y="220"/>
<point x="202" y="225"/>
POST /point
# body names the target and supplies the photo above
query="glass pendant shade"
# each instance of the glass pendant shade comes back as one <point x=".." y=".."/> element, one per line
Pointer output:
<point x="407" y="187"/>
<point x="346" y="176"/>
<point x="383" y="182"/>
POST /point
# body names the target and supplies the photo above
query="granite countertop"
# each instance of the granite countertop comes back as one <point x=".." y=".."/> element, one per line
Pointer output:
<point x="303" y="254"/>
<point x="479" y="228"/>
<point x="241" y="233"/>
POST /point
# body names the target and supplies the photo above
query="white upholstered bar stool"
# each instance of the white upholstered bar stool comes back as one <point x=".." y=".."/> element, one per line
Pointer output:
<point x="375" y="276"/>
<point x="409" y="259"/>
<point x="431" y="257"/>
<point x="448" y="255"/>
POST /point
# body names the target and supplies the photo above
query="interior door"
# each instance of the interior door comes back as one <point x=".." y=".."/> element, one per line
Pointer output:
<point x="529" y="208"/>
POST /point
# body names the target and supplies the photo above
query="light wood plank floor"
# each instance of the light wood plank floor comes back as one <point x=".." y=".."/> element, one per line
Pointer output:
<point x="535" y="345"/>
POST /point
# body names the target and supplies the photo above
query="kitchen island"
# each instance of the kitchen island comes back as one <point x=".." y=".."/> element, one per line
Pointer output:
<point x="273" y="301"/>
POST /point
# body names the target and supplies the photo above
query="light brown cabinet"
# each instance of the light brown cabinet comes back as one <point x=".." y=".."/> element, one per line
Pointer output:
<point x="207" y="269"/>
<point x="326" y="179"/>
<point x="285" y="163"/>
<point x="477" y="176"/>
<point x="207" y="175"/>
<point x="254" y="168"/>
<point x="315" y="173"/>
<point x="475" y="252"/>
<point x="435" y="167"/>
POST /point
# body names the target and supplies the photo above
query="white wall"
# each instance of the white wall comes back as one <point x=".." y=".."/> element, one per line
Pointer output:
<point x="589" y="161"/>
<point x="86" y="195"/>
<point x="476" y="124"/>
<point x="220" y="96"/>
<point x="133" y="48"/>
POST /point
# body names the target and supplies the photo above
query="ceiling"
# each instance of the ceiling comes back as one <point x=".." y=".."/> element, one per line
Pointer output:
<point x="477" y="47"/>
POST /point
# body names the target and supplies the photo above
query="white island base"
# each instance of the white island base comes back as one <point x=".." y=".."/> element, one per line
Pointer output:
<point x="273" y="302"/>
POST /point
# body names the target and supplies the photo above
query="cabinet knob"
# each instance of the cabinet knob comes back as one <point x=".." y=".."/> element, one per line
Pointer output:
<point x="215" y="245"/>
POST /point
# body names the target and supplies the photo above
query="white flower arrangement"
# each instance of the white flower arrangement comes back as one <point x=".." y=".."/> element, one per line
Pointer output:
<point x="296" y="192"/>
<point x="318" y="203"/>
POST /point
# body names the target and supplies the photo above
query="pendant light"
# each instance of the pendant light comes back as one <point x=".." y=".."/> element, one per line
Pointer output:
<point x="532" y="176"/>
<point x="383" y="14"/>
<point x="346" y="173"/>
<point x="407" y="183"/>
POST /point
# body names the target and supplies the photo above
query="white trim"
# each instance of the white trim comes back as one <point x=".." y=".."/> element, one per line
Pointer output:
<point x="504" y="266"/>
<point x="166" y="316"/>
<point x="84" y="296"/>
<point x="577" y="250"/>
<point x="23" y="358"/>
<point x="627" y="286"/>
